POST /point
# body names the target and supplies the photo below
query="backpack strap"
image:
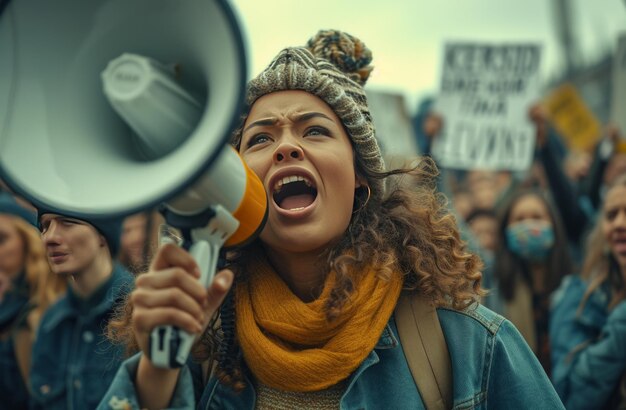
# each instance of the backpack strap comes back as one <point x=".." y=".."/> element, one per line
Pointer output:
<point x="425" y="350"/>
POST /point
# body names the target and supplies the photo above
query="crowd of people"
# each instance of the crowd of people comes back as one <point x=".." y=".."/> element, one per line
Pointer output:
<point x="552" y="240"/>
<point x="515" y="282"/>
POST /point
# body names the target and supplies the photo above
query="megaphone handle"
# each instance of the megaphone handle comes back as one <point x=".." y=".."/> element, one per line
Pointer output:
<point x="169" y="345"/>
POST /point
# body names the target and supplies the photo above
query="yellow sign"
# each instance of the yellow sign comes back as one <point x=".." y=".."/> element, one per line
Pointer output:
<point x="572" y="119"/>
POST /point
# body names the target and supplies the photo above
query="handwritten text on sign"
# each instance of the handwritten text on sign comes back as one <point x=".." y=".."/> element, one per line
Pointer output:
<point x="486" y="91"/>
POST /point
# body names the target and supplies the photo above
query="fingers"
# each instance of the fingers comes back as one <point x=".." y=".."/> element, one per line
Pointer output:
<point x="145" y="320"/>
<point x="218" y="290"/>
<point x="175" y="298"/>
<point x="173" y="278"/>
<point x="170" y="297"/>
<point x="170" y="255"/>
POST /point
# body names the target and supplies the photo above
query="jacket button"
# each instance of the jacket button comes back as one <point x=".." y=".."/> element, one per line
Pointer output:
<point x="87" y="336"/>
<point x="77" y="384"/>
<point x="45" y="389"/>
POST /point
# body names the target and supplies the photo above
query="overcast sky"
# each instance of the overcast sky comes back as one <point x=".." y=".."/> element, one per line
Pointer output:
<point x="407" y="36"/>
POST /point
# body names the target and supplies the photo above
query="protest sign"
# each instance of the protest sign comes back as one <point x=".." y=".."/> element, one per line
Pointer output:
<point x="485" y="94"/>
<point x="394" y="129"/>
<point x="618" y="103"/>
<point x="572" y="118"/>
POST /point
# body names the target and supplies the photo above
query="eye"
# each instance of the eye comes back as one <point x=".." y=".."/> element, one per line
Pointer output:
<point x="611" y="214"/>
<point x="317" y="130"/>
<point x="257" y="139"/>
<point x="44" y="227"/>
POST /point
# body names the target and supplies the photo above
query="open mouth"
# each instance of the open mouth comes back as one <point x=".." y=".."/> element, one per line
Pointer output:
<point x="294" y="192"/>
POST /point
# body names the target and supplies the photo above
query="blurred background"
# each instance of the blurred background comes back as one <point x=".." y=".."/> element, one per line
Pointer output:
<point x="407" y="36"/>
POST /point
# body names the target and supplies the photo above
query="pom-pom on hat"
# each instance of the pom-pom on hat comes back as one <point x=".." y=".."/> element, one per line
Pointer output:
<point x="9" y="206"/>
<point x="333" y="66"/>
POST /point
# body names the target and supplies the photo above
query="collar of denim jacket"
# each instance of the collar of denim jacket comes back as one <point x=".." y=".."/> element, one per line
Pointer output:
<point x="109" y="293"/>
<point x="388" y="339"/>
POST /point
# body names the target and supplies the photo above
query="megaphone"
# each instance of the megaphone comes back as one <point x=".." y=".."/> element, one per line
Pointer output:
<point x="109" y="107"/>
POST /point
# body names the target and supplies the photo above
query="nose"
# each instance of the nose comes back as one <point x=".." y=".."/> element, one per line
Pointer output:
<point x="50" y="237"/>
<point x="288" y="151"/>
<point x="620" y="219"/>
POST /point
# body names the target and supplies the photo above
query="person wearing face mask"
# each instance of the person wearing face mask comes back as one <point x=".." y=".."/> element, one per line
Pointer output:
<point x="588" y="318"/>
<point x="73" y="361"/>
<point x="306" y="311"/>
<point x="531" y="257"/>
<point x="27" y="288"/>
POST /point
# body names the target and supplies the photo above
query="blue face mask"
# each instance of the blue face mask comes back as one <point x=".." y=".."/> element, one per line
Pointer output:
<point x="530" y="240"/>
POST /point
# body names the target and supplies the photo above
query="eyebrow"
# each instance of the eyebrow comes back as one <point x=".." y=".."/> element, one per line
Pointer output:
<point x="300" y="118"/>
<point x="46" y="220"/>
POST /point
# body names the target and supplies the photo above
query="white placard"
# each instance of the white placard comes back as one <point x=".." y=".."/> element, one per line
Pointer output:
<point x="394" y="129"/>
<point x="618" y="103"/>
<point x="486" y="91"/>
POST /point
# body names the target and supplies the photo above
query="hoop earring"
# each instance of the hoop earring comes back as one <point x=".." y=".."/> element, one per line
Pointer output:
<point x="369" y="194"/>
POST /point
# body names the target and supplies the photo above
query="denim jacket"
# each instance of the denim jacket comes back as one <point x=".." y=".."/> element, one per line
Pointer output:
<point x="73" y="361"/>
<point x="492" y="368"/>
<point x="13" y="311"/>
<point x="588" y="350"/>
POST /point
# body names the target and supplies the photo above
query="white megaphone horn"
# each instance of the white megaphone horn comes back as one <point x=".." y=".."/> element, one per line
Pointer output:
<point x="109" y="107"/>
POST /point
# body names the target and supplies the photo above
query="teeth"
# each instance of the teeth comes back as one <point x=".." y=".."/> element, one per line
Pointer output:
<point x="287" y="180"/>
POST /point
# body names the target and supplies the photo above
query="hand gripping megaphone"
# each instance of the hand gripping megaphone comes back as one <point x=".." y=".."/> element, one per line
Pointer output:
<point x="109" y="107"/>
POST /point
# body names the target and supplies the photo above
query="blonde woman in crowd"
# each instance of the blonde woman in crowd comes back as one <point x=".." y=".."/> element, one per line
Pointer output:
<point x="27" y="288"/>
<point x="588" y="321"/>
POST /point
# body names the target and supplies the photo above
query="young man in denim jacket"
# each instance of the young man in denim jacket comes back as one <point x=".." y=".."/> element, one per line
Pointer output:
<point x="73" y="361"/>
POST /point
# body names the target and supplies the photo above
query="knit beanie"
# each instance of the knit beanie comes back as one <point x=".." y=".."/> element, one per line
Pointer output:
<point x="333" y="66"/>
<point x="9" y="206"/>
<point x="110" y="228"/>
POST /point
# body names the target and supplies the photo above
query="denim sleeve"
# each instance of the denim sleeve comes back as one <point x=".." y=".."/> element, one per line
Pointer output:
<point x="575" y="219"/>
<point x="122" y="394"/>
<point x="517" y="380"/>
<point x="566" y="330"/>
<point x="596" y="369"/>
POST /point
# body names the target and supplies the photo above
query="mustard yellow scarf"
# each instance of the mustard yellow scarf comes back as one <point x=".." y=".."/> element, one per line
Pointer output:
<point x="289" y="345"/>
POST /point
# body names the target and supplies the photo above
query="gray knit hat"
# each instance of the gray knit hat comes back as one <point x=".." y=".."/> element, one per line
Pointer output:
<point x="334" y="66"/>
